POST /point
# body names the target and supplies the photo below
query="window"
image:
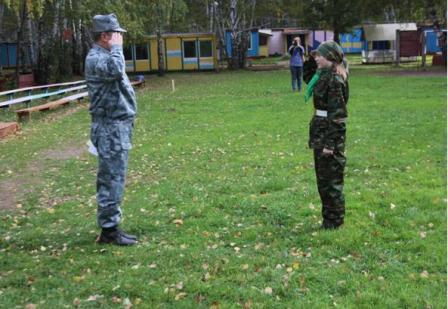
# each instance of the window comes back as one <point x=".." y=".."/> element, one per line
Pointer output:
<point x="190" y="49"/>
<point x="380" y="45"/>
<point x="263" y="40"/>
<point x="127" y="52"/>
<point x="205" y="48"/>
<point x="141" y="52"/>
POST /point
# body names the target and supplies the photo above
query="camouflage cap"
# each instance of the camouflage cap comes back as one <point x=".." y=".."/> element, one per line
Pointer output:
<point x="106" y="23"/>
<point x="331" y="51"/>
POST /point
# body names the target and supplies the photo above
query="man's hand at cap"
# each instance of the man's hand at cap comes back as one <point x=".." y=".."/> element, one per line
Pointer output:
<point x="117" y="39"/>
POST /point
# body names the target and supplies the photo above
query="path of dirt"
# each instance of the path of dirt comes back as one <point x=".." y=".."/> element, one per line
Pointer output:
<point x="15" y="188"/>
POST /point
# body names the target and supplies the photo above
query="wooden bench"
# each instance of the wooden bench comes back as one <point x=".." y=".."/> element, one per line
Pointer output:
<point x="29" y="90"/>
<point x="30" y="98"/>
<point x="25" y="114"/>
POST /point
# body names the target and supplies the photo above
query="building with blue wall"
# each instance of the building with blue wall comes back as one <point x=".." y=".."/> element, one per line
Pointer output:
<point x="8" y="55"/>
<point x="258" y="43"/>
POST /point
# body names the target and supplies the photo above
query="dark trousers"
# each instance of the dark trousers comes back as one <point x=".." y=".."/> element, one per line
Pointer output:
<point x="330" y="183"/>
<point x="296" y="77"/>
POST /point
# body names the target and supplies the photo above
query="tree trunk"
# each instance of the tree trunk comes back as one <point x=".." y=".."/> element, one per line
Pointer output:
<point x="2" y="12"/>
<point x="235" y="36"/>
<point x="160" y="53"/>
<point x="336" y="33"/>
<point x="252" y="13"/>
<point x="20" y="30"/>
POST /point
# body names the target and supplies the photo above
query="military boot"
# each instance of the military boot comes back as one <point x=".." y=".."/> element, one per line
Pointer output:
<point x="331" y="225"/>
<point x="116" y="237"/>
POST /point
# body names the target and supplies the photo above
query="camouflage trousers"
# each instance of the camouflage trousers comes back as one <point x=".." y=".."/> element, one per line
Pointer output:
<point x="113" y="141"/>
<point x="330" y="183"/>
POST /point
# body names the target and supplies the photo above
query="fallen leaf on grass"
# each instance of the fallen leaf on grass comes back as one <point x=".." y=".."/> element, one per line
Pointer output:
<point x="392" y="206"/>
<point x="248" y="304"/>
<point x="424" y="274"/>
<point x="30" y="306"/>
<point x="78" y="279"/>
<point x="245" y="267"/>
<point x="116" y="300"/>
<point x="180" y="295"/>
<point x="422" y="235"/>
<point x="178" y="222"/>
<point x="94" y="297"/>
<point x="127" y="303"/>
<point x="180" y="285"/>
<point x="268" y="290"/>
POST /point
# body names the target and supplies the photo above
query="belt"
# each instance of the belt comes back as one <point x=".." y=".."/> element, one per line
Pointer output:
<point x="321" y="113"/>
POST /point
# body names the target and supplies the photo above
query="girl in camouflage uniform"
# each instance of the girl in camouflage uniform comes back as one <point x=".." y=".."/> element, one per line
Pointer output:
<point x="329" y="88"/>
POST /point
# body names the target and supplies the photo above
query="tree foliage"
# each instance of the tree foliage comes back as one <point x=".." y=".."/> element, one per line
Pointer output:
<point x="57" y="32"/>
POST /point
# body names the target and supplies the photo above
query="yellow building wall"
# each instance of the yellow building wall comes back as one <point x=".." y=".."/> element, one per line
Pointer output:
<point x="263" y="51"/>
<point x="206" y="63"/>
<point x="154" y="55"/>
<point x="142" y="65"/>
<point x="190" y="63"/>
<point x="173" y="54"/>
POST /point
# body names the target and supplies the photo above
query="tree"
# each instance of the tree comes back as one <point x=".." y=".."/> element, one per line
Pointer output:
<point x="337" y="15"/>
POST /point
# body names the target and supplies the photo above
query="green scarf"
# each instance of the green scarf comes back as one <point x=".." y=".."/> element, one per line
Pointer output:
<point x="311" y="84"/>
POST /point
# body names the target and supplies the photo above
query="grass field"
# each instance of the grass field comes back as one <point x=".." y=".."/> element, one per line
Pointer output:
<point x="221" y="192"/>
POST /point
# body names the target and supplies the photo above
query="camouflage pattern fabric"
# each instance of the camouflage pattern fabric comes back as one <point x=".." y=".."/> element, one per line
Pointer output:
<point x="113" y="108"/>
<point x="331" y="95"/>
<point x="330" y="183"/>
<point x="331" y="51"/>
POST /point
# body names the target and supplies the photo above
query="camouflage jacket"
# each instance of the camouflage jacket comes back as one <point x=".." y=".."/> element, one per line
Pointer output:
<point x="330" y="94"/>
<point x="111" y="94"/>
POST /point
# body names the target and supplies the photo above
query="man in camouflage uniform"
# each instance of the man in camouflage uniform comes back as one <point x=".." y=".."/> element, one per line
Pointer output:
<point x="113" y="108"/>
<point x="327" y="131"/>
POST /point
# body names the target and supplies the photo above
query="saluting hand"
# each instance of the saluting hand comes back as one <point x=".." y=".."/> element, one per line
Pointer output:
<point x="117" y="39"/>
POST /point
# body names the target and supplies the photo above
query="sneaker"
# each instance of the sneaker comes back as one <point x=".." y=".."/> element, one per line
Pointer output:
<point x="116" y="237"/>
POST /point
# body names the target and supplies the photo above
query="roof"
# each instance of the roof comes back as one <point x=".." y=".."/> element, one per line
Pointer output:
<point x="182" y="35"/>
<point x="385" y="32"/>
<point x="296" y="31"/>
<point x="267" y="32"/>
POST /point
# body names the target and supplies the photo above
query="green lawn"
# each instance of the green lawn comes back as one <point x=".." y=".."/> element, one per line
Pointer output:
<point x="221" y="191"/>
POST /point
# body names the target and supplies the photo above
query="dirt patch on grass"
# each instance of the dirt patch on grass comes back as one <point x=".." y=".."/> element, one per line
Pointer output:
<point x="65" y="153"/>
<point x="17" y="186"/>
<point x="11" y="192"/>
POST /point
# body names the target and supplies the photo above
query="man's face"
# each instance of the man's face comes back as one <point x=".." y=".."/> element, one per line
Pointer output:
<point x="106" y="39"/>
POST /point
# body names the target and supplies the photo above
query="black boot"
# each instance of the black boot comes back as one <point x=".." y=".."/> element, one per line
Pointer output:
<point x="117" y="237"/>
<point x="130" y="236"/>
<point x="329" y="225"/>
